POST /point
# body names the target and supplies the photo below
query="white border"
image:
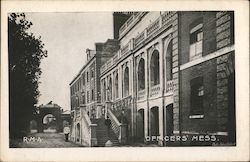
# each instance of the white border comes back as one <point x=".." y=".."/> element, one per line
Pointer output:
<point x="239" y="153"/>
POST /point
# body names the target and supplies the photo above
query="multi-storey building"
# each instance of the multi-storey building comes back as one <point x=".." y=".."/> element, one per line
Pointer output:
<point x="85" y="87"/>
<point x="171" y="82"/>
<point x="206" y="98"/>
<point x="174" y="75"/>
<point x="142" y="74"/>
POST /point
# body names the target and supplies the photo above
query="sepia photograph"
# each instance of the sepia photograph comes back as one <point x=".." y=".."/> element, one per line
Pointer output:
<point x="122" y="79"/>
<point x="163" y="79"/>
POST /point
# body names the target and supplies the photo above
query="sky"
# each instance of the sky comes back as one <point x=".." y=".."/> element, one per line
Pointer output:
<point x="66" y="37"/>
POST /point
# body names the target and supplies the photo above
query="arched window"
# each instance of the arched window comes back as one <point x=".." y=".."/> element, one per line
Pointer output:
<point x="154" y="68"/>
<point x="126" y="83"/>
<point x="169" y="66"/>
<point x="110" y="90"/>
<point x="92" y="95"/>
<point x="104" y="90"/>
<point x="141" y="74"/>
<point x="116" y="86"/>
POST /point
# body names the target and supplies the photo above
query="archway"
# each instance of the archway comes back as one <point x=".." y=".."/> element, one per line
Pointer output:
<point x="154" y="68"/>
<point x="169" y="124"/>
<point x="154" y="121"/>
<point x="141" y="74"/>
<point x="104" y="90"/>
<point x="78" y="132"/>
<point x="140" y="125"/>
<point x="126" y="82"/>
<point x="49" y="123"/>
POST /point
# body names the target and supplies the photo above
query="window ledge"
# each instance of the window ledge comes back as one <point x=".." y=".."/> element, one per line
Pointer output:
<point x="196" y="116"/>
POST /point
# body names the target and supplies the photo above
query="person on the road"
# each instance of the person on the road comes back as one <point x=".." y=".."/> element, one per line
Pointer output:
<point x="66" y="131"/>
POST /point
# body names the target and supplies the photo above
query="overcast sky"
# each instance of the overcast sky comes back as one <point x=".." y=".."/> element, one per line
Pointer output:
<point x="66" y="37"/>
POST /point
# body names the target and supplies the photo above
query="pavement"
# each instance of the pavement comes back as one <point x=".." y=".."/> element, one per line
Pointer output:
<point x="52" y="139"/>
<point x="43" y="140"/>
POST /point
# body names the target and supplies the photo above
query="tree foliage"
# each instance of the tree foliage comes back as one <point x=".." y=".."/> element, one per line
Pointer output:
<point x="25" y="54"/>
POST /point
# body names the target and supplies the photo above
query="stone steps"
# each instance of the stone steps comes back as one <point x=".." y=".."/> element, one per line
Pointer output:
<point x="102" y="133"/>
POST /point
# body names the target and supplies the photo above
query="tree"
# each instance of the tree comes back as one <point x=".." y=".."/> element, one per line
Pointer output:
<point x="25" y="52"/>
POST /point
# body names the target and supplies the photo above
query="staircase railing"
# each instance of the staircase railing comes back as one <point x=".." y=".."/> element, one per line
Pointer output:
<point x="88" y="129"/>
<point x="117" y="127"/>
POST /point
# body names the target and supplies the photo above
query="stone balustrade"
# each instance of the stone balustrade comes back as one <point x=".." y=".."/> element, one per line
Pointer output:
<point x="162" y="22"/>
<point x="139" y="39"/>
<point x="109" y="62"/>
<point x="116" y="126"/>
<point x="116" y="57"/>
<point x="166" y="18"/>
<point x="141" y="94"/>
<point x="155" y="90"/>
<point x="153" y="27"/>
<point x="130" y="22"/>
<point x="169" y="86"/>
<point x="125" y="49"/>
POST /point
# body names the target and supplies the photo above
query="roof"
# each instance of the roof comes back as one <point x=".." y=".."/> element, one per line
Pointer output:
<point x="49" y="105"/>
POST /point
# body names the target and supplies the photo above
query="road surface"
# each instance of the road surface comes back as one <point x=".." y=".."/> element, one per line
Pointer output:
<point x="43" y="140"/>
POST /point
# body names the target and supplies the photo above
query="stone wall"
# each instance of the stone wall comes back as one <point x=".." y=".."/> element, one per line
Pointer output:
<point x="175" y="73"/>
<point x="224" y="38"/>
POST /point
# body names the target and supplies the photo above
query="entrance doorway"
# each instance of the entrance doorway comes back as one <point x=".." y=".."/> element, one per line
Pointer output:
<point x="169" y="124"/>
<point x="140" y="125"/>
<point x="154" y="120"/>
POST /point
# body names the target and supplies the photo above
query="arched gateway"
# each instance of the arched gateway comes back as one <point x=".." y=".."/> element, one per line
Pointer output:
<point x="50" y="116"/>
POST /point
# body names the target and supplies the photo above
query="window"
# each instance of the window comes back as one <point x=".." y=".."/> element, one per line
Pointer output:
<point x="110" y="89"/>
<point x="83" y="79"/>
<point x="126" y="83"/>
<point x="197" y="93"/>
<point x="92" y="73"/>
<point x="87" y="75"/>
<point x="104" y="90"/>
<point x="169" y="66"/>
<point x="92" y="95"/>
<point x="154" y="68"/>
<point x="196" y="40"/>
<point x="141" y="74"/>
<point x="116" y="86"/>
<point x="87" y="96"/>
<point x="80" y="83"/>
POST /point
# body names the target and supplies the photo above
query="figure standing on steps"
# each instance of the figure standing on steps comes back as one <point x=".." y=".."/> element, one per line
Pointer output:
<point x="108" y="124"/>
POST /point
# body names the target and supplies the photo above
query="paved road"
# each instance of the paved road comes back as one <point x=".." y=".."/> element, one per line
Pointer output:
<point x="43" y="140"/>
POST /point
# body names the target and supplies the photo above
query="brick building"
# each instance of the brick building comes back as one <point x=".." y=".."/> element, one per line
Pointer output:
<point x="206" y="74"/>
<point x="85" y="87"/>
<point x="170" y="79"/>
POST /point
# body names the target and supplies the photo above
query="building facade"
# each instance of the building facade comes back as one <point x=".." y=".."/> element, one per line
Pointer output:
<point x="85" y="88"/>
<point x="171" y="82"/>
